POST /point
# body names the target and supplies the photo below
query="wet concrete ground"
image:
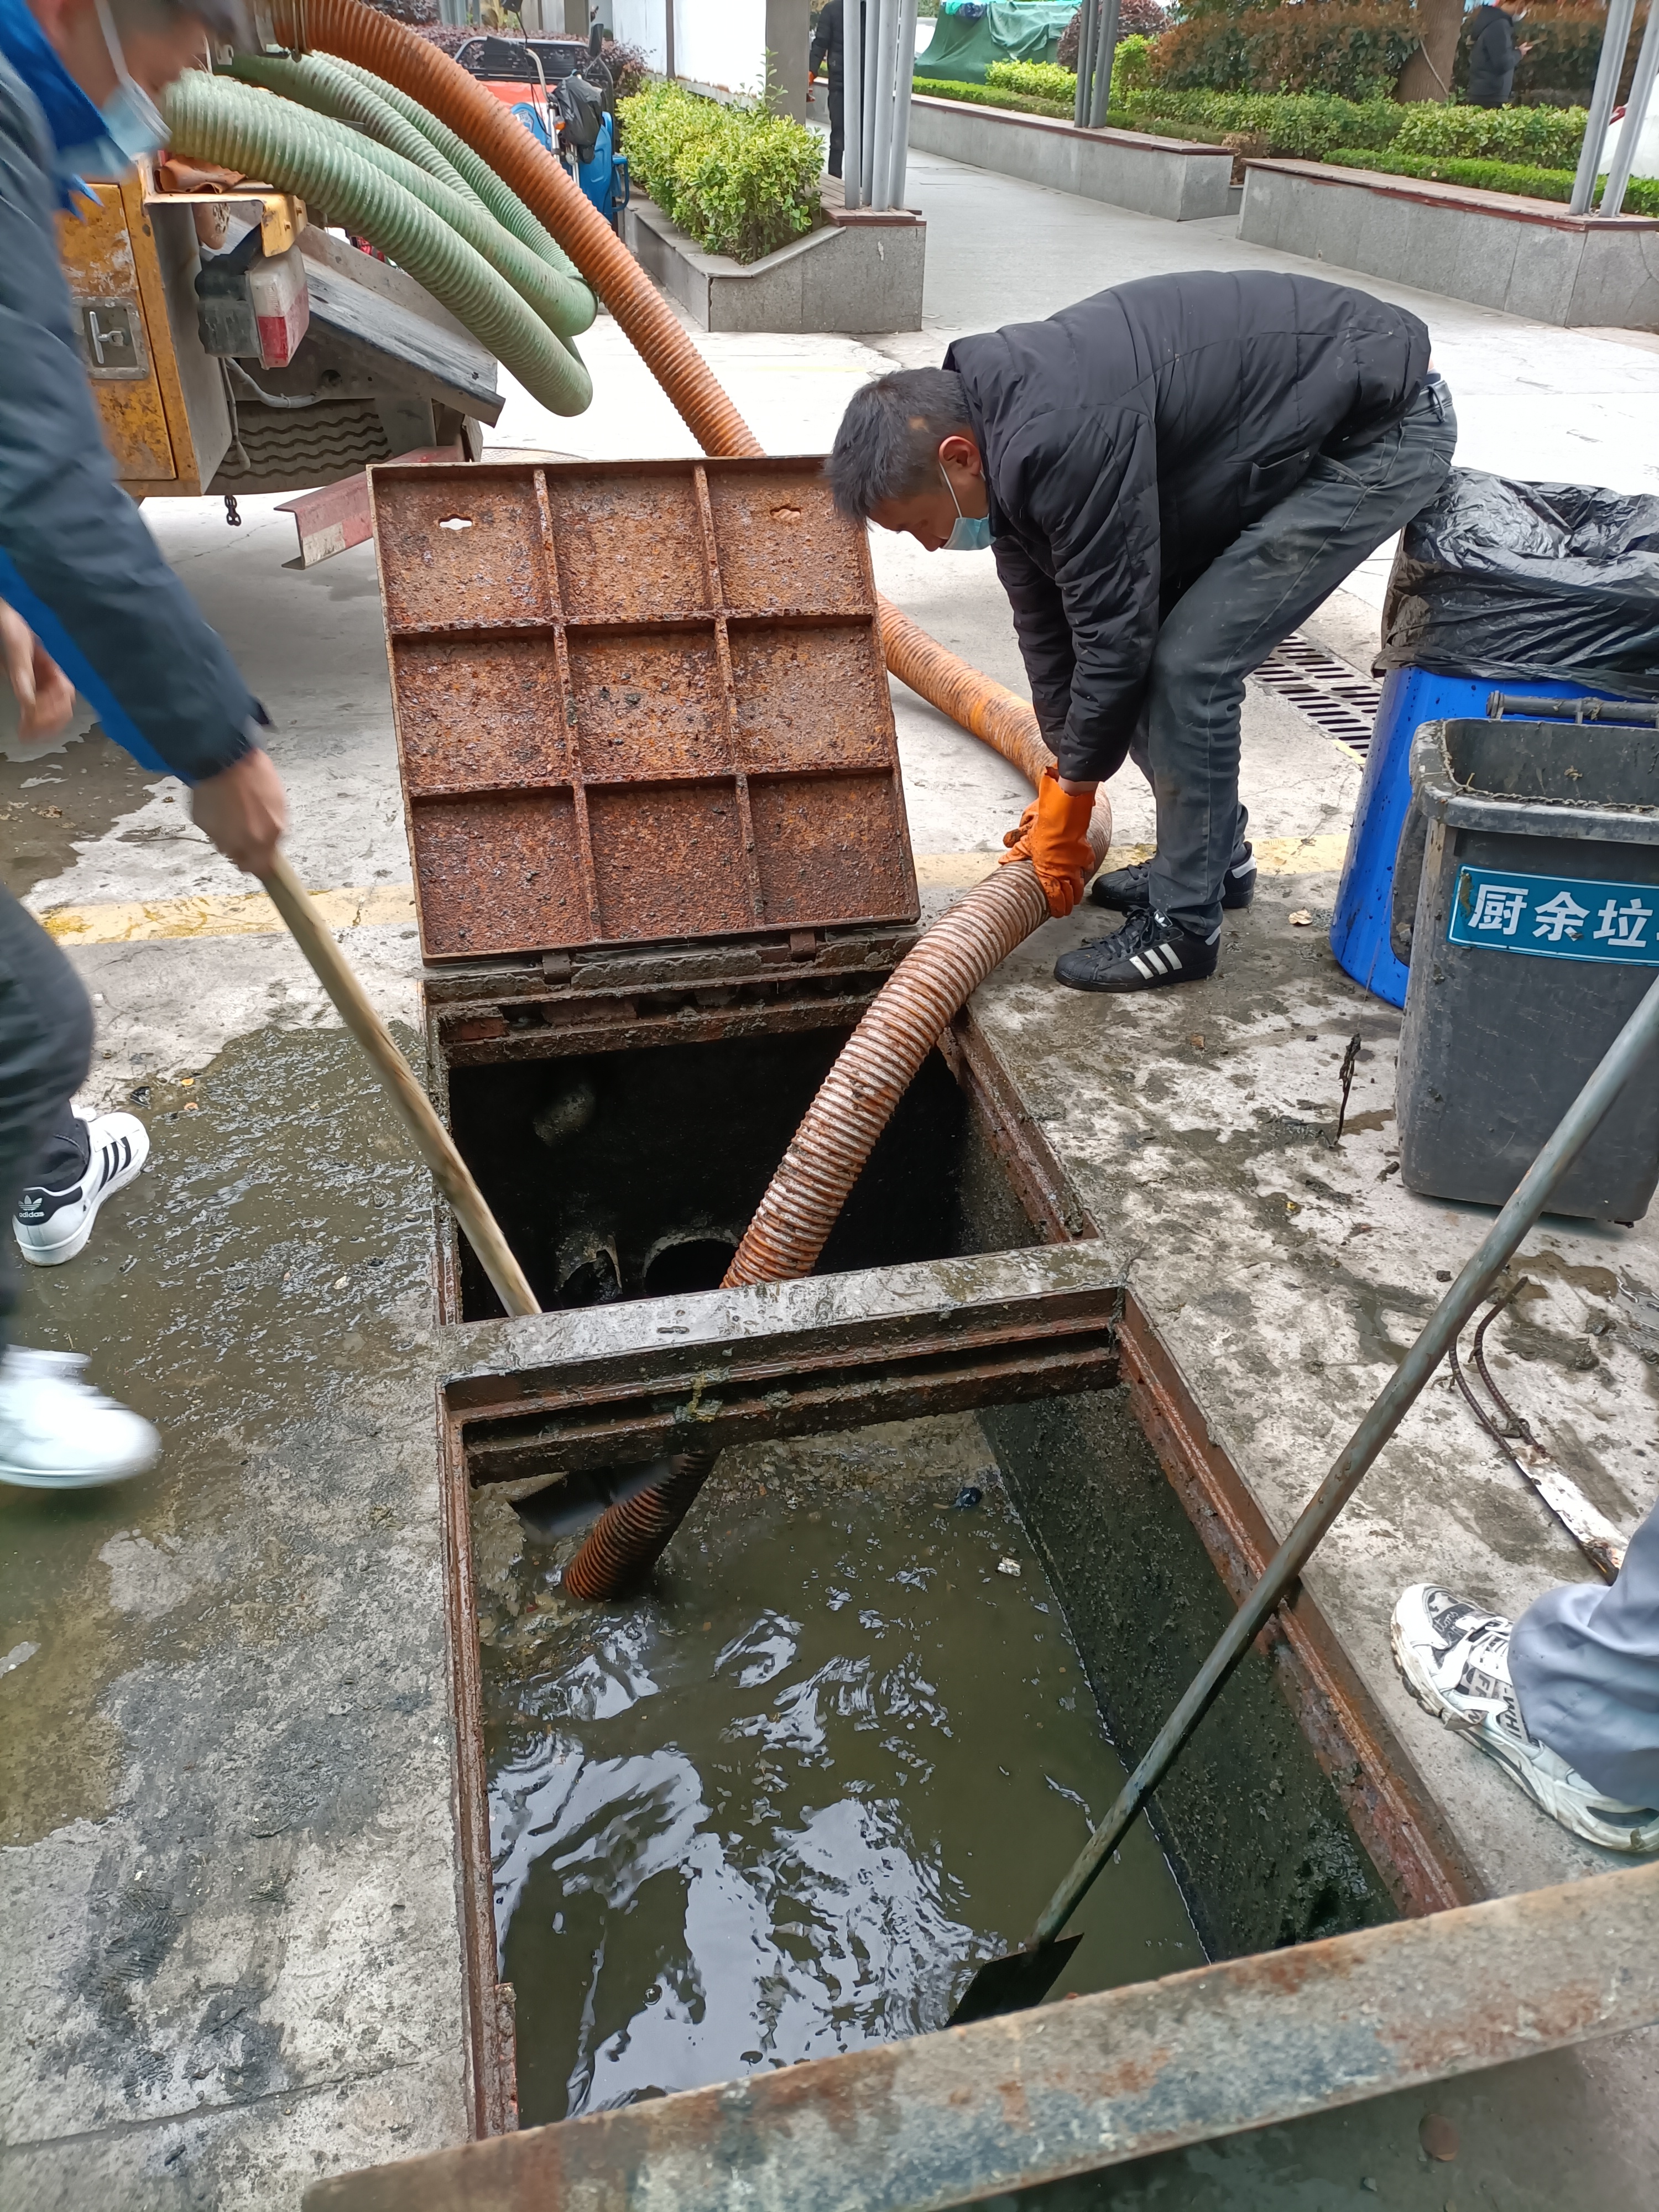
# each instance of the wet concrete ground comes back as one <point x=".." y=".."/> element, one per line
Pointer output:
<point x="229" y="1894"/>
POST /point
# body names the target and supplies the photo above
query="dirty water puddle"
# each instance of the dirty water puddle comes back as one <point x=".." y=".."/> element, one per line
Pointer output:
<point x="770" y="1811"/>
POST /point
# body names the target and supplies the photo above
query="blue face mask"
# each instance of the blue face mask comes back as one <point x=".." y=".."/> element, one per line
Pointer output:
<point x="131" y="120"/>
<point x="83" y="142"/>
<point x="969" y="533"/>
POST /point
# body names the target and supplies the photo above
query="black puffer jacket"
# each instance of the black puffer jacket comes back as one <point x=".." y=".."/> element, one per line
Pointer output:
<point x="1129" y="439"/>
<point x="1494" y="51"/>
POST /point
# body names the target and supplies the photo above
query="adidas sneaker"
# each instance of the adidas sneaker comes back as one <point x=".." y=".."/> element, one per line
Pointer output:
<point x="1125" y="891"/>
<point x="52" y="1225"/>
<point x="1147" y="951"/>
<point x="57" y="1432"/>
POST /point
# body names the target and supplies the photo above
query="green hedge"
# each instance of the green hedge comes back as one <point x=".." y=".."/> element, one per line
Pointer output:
<point x="1117" y="118"/>
<point x="1641" y="194"/>
<point x="1050" y="80"/>
<point x="738" y="180"/>
<point x="1540" y="137"/>
<point x="990" y="95"/>
<point x="1356" y="48"/>
<point x="1304" y="126"/>
<point x="1040" y="80"/>
<point x="1316" y="126"/>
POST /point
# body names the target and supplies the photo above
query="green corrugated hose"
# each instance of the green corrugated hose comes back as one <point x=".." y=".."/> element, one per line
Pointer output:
<point x="498" y="197"/>
<point x="241" y="128"/>
<point x="325" y="86"/>
<point x="565" y="303"/>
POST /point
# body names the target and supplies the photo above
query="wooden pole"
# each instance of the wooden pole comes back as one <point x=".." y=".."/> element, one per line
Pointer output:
<point x="432" y="1141"/>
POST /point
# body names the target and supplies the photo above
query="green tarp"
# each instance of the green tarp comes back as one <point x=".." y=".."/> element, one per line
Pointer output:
<point x="963" y="46"/>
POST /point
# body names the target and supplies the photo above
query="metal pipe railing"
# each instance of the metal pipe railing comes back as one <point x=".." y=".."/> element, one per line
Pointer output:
<point x="901" y="102"/>
<point x="1621" y="14"/>
<point x="1636" y="114"/>
<point x="1105" y="52"/>
<point x="852" y="104"/>
<point x="886" y="57"/>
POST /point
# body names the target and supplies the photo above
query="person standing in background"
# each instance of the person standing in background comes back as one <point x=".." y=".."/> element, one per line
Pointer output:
<point x="1494" y="51"/>
<point x="829" y="46"/>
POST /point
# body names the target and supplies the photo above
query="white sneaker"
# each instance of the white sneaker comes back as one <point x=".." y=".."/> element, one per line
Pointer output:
<point x="59" y="1433"/>
<point x="52" y="1227"/>
<point x="1454" y="1657"/>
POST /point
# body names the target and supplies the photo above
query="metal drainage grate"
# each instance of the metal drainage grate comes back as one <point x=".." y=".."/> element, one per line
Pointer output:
<point x="1327" y="691"/>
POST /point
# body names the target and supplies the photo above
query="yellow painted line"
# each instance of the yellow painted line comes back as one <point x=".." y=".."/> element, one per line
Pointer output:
<point x="234" y="914"/>
<point x="250" y="913"/>
<point x="1275" y="856"/>
<point x="1300" y="856"/>
<point x="955" y="871"/>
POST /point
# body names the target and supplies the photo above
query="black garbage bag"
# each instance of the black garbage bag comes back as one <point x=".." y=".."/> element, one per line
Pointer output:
<point x="1558" y="581"/>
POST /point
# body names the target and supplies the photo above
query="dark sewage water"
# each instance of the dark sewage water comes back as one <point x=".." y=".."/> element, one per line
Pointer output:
<point x="776" y="1808"/>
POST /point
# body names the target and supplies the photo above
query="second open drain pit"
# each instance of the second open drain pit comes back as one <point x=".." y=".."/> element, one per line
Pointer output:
<point x="617" y="1757"/>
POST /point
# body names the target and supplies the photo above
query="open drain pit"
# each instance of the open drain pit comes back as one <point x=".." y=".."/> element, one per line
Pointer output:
<point x="940" y="1589"/>
<point x="633" y="1174"/>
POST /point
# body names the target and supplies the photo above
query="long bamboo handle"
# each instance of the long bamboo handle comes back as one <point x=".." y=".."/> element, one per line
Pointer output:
<point x="432" y="1141"/>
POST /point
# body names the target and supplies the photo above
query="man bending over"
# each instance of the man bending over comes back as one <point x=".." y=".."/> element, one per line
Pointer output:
<point x="1172" y="475"/>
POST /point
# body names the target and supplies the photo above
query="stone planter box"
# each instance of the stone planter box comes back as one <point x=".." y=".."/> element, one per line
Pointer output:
<point x="1526" y="256"/>
<point x="1154" y="176"/>
<point x="860" y="272"/>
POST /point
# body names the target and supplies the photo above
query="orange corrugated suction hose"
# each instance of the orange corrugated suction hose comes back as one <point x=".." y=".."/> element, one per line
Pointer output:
<point x="952" y="959"/>
<point x="996" y="717"/>
<point x="880" y="1061"/>
<point x="872" y="1072"/>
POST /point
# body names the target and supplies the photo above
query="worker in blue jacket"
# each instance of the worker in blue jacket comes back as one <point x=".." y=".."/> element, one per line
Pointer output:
<point x="89" y="604"/>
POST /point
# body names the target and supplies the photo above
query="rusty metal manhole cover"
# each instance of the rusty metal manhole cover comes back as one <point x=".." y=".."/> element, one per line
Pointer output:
<point x="637" y="700"/>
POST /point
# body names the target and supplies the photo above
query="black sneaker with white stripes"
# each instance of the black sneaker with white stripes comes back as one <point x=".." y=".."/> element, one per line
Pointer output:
<point x="1124" y="890"/>
<point x="1148" y="950"/>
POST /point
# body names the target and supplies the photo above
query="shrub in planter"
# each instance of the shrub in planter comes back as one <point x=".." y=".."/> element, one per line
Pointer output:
<point x="1049" y="81"/>
<point x="994" y="95"/>
<point x="1356" y="48"/>
<point x="1542" y="138"/>
<point x="1040" y="80"/>
<point x="740" y="179"/>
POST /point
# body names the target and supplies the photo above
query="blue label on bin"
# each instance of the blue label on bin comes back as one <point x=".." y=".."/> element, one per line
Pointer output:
<point x="1560" y="917"/>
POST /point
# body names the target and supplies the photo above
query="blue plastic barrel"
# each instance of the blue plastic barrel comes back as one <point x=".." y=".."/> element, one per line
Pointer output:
<point x="1411" y="696"/>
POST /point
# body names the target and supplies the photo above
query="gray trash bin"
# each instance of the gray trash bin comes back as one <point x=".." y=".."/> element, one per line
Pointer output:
<point x="1535" y="935"/>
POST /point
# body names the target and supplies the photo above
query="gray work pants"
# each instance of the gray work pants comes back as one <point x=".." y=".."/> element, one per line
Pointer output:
<point x="1585" y="1664"/>
<point x="1248" y="599"/>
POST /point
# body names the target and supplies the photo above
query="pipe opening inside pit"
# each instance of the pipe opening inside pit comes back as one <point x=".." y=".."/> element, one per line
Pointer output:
<point x="634" y="1174"/>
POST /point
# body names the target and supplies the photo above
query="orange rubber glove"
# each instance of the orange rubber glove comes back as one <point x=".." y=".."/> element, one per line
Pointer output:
<point x="1054" y="836"/>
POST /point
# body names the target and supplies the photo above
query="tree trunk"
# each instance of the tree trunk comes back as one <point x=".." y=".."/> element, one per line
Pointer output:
<point x="1428" y="74"/>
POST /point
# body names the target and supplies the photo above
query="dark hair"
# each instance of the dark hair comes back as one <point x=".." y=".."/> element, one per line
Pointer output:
<point x="887" y="446"/>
